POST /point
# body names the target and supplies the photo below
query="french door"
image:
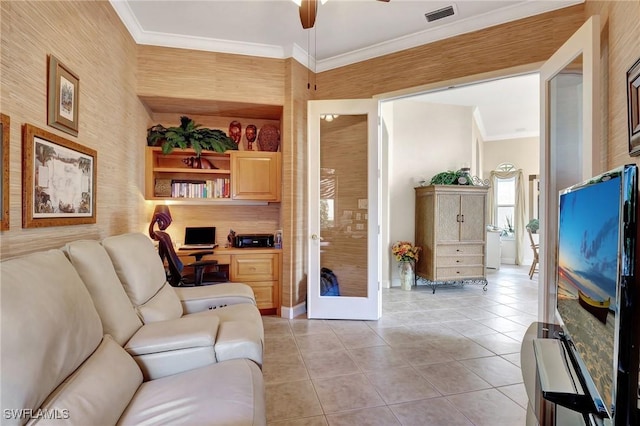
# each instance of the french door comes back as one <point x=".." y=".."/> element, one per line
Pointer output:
<point x="344" y="214"/>
<point x="570" y="139"/>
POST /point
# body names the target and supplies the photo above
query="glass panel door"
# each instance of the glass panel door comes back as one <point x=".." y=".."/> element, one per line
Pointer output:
<point x="343" y="210"/>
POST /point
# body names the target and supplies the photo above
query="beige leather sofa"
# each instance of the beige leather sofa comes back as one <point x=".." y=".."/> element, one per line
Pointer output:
<point x="145" y="315"/>
<point x="59" y="367"/>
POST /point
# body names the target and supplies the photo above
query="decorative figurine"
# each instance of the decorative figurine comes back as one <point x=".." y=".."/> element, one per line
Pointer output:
<point x="198" y="163"/>
<point x="231" y="237"/>
<point x="250" y="133"/>
<point x="235" y="131"/>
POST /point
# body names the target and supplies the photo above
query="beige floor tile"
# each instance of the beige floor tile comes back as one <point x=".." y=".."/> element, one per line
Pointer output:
<point x="302" y="327"/>
<point x="501" y="324"/>
<point x="404" y="384"/>
<point x="461" y="348"/>
<point x="422" y="355"/>
<point x="291" y="400"/>
<point x="280" y="345"/>
<point x="329" y="363"/>
<point x="361" y="339"/>
<point x="513" y="358"/>
<point x="452" y="378"/>
<point x="318" y="342"/>
<point x="280" y="368"/>
<point x="498" y="343"/>
<point x="304" y="421"/>
<point x="343" y="393"/>
<point x="447" y="339"/>
<point x="376" y="416"/>
<point x="377" y="358"/>
<point x="429" y="412"/>
<point x="343" y="326"/>
<point x="276" y="328"/>
<point x="489" y="408"/>
<point x="516" y="393"/>
<point x="494" y="370"/>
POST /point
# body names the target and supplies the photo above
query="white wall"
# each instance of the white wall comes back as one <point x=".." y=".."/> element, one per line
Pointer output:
<point x="424" y="140"/>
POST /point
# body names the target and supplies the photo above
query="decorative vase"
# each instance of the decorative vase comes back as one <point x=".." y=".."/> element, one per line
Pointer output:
<point x="407" y="277"/>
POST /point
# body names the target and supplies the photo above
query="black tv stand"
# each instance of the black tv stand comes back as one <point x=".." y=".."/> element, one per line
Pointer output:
<point x="555" y="399"/>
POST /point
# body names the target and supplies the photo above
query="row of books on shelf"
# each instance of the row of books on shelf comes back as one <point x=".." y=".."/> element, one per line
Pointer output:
<point x="215" y="188"/>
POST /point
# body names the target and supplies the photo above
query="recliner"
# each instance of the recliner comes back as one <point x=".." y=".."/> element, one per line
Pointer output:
<point x="163" y="333"/>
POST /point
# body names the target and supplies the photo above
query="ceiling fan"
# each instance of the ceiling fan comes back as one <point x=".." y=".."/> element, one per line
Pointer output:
<point x="309" y="10"/>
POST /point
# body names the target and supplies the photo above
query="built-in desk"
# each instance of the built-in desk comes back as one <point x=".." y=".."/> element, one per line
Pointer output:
<point x="258" y="267"/>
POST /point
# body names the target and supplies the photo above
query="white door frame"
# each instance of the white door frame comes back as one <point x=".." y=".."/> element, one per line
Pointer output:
<point x="341" y="307"/>
<point x="585" y="42"/>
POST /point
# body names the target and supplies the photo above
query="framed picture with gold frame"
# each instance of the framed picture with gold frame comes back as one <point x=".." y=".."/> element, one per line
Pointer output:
<point x="63" y="97"/>
<point x="58" y="180"/>
<point x="5" y="133"/>
<point x="633" y="104"/>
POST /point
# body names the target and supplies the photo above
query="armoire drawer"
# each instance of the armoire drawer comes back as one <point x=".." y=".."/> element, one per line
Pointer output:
<point x="460" y="249"/>
<point x="459" y="261"/>
<point x="459" y="273"/>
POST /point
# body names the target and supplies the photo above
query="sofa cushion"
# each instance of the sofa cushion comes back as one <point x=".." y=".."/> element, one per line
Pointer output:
<point x="49" y="327"/>
<point x="119" y="318"/>
<point x="142" y="274"/>
<point x="170" y="347"/>
<point x="227" y="393"/>
<point x="164" y="306"/>
<point x="100" y="390"/>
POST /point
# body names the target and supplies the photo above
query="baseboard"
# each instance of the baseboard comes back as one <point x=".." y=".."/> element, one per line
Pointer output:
<point x="296" y="311"/>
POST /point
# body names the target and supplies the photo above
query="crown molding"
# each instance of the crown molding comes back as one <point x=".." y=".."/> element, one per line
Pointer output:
<point x="508" y="14"/>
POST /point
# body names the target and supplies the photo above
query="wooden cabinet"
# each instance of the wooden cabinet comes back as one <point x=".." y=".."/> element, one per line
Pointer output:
<point x="258" y="268"/>
<point x="262" y="272"/>
<point x="234" y="175"/>
<point x="256" y="177"/>
<point x="451" y="229"/>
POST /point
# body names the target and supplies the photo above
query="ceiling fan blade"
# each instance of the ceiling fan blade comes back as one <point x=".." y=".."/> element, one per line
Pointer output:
<point x="308" y="11"/>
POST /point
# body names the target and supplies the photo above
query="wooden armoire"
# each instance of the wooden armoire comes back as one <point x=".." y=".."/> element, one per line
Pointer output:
<point x="451" y="229"/>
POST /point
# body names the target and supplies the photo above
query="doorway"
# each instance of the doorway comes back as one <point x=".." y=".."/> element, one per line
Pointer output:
<point x="428" y="132"/>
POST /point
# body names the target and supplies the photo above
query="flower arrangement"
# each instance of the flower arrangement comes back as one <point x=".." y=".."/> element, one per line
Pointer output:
<point x="404" y="251"/>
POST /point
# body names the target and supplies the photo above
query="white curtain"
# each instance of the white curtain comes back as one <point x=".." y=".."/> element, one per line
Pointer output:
<point x="518" y="220"/>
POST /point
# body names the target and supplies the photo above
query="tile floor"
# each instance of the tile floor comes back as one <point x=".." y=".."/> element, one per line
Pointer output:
<point x="449" y="358"/>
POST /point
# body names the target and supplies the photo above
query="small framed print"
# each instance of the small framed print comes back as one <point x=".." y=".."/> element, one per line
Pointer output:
<point x="633" y="104"/>
<point x="63" y="96"/>
<point x="58" y="180"/>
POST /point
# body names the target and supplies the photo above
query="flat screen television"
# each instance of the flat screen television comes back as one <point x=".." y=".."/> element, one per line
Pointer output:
<point x="596" y="301"/>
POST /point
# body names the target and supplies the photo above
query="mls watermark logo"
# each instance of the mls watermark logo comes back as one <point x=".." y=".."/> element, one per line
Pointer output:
<point x="39" y="414"/>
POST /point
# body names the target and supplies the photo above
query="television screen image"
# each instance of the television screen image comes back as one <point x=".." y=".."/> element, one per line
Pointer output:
<point x="588" y="242"/>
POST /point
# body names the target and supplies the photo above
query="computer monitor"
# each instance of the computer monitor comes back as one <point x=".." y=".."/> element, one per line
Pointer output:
<point x="203" y="235"/>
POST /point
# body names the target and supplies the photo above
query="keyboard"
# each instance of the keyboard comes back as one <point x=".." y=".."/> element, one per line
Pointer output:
<point x="198" y="246"/>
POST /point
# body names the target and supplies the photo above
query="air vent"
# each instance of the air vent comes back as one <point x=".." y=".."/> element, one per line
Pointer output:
<point x="439" y="14"/>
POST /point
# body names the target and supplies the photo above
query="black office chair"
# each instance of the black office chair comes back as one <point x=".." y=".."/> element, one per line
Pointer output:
<point x="175" y="266"/>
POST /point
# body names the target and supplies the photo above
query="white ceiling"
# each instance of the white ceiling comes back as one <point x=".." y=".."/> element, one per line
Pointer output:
<point x="345" y="32"/>
<point x="508" y="108"/>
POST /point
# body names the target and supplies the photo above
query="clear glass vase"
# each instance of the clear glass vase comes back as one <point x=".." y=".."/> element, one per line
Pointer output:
<point x="407" y="276"/>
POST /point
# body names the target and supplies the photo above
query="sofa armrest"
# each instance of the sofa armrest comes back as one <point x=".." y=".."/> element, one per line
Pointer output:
<point x="173" y="346"/>
<point x="198" y="299"/>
